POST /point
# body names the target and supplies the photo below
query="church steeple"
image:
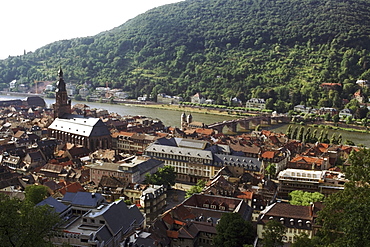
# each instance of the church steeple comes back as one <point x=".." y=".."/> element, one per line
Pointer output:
<point x="62" y="103"/>
<point x="61" y="85"/>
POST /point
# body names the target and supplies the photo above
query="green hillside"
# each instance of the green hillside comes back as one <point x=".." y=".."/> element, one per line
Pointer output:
<point x="279" y="50"/>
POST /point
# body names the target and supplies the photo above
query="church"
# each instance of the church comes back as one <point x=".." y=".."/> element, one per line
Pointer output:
<point x="89" y="132"/>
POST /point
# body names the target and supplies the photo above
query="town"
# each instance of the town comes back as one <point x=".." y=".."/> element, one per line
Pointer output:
<point x="121" y="181"/>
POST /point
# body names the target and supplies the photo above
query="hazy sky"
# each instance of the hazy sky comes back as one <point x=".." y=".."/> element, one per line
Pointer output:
<point x="31" y="24"/>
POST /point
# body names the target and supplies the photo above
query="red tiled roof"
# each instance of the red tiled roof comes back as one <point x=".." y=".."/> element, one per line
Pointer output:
<point x="172" y="234"/>
<point x="168" y="219"/>
<point x="268" y="155"/>
<point x="246" y="195"/>
<point x="306" y="159"/>
<point x="73" y="187"/>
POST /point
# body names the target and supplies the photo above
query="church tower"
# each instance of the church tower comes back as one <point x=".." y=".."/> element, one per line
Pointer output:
<point x="62" y="103"/>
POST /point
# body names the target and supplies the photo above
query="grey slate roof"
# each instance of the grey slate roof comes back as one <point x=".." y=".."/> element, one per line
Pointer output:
<point x="148" y="165"/>
<point x="167" y="142"/>
<point x="53" y="203"/>
<point x="248" y="163"/>
<point x="86" y="199"/>
<point x="83" y="126"/>
<point x="189" y="152"/>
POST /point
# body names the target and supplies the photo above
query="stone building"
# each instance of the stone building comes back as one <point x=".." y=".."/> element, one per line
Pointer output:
<point x="90" y="132"/>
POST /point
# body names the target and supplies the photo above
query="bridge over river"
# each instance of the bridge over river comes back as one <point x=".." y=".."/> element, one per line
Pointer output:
<point x="249" y="122"/>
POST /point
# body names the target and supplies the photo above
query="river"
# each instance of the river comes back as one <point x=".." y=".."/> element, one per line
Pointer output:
<point x="172" y="118"/>
<point x="168" y="117"/>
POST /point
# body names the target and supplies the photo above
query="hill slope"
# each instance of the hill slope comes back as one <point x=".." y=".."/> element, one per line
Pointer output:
<point x="280" y="50"/>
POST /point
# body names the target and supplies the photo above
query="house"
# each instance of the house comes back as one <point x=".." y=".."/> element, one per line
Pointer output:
<point x="162" y="98"/>
<point x="363" y="83"/>
<point x="198" y="99"/>
<point x="302" y="108"/>
<point x="152" y="201"/>
<point x="133" y="169"/>
<point x="190" y="158"/>
<point x="358" y="95"/>
<point x="296" y="219"/>
<point x="34" y="159"/>
<point x="88" y="221"/>
<point x="309" y="163"/>
<point x="325" y="182"/>
<point x="345" y="113"/>
<point x="278" y="157"/>
<point x="255" y="103"/>
<point x="193" y="222"/>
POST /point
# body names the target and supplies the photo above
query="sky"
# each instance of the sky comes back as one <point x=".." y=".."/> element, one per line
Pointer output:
<point x="27" y="25"/>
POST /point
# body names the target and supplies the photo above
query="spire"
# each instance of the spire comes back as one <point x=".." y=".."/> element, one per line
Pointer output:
<point x="61" y="85"/>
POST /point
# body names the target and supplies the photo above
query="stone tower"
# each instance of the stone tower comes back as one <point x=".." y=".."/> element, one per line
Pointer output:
<point x="62" y="103"/>
<point x="183" y="120"/>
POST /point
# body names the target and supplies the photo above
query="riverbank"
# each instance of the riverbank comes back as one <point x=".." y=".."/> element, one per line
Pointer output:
<point x="198" y="109"/>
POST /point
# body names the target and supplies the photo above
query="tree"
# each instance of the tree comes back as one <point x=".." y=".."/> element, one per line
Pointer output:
<point x="273" y="234"/>
<point x="271" y="170"/>
<point x="289" y="131"/>
<point x="233" y="231"/>
<point x="303" y="240"/>
<point x="165" y="175"/>
<point x="344" y="219"/>
<point x="23" y="224"/>
<point x="196" y="188"/>
<point x="336" y="118"/>
<point x="359" y="170"/>
<point x="300" y="134"/>
<point x="36" y="193"/>
<point x="299" y="197"/>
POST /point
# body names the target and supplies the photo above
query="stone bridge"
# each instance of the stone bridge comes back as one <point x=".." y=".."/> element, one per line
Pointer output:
<point x="248" y="123"/>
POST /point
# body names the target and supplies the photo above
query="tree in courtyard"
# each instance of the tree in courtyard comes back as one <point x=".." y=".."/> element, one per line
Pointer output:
<point x="233" y="231"/>
<point x="196" y="188"/>
<point x="273" y="234"/>
<point x="36" y="193"/>
<point x="299" y="197"/>
<point x="270" y="170"/>
<point x="165" y="175"/>
<point x="23" y="224"/>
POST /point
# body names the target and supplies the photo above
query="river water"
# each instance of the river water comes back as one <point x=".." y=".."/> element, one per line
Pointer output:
<point x="168" y="117"/>
<point x="173" y="118"/>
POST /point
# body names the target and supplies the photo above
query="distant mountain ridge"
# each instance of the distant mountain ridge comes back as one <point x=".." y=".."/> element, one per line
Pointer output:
<point x="278" y="50"/>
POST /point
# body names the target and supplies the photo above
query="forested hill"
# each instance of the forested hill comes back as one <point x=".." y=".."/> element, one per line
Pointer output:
<point x="282" y="50"/>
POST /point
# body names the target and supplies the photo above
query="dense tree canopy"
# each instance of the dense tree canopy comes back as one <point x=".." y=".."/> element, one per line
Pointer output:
<point x="344" y="218"/>
<point x="233" y="231"/>
<point x="299" y="197"/>
<point x="278" y="50"/>
<point x="273" y="234"/>
<point x="36" y="193"/>
<point x="22" y="224"/>
<point x="164" y="176"/>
